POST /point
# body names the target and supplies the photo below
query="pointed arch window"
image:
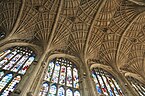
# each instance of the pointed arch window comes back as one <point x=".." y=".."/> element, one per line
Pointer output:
<point x="14" y="63"/>
<point x="105" y="83"/>
<point x="137" y="85"/>
<point x="62" y="78"/>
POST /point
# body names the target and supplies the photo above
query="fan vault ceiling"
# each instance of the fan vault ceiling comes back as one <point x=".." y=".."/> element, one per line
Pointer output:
<point x="108" y="31"/>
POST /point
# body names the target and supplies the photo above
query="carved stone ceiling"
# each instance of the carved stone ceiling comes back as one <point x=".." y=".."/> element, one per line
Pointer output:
<point x="108" y="31"/>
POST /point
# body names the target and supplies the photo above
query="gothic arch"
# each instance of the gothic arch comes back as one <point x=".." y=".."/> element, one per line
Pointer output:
<point x="106" y="80"/>
<point x="54" y="66"/>
<point x="35" y="48"/>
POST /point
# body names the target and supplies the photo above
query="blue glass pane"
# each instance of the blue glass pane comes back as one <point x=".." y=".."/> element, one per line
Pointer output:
<point x="104" y="89"/>
<point x="61" y="91"/>
<point x="5" y="80"/>
<point x="10" y="88"/>
<point x="52" y="91"/>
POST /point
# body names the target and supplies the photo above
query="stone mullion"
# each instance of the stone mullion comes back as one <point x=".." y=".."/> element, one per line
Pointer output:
<point x="115" y="86"/>
<point x="124" y="85"/>
<point x="57" y="84"/>
<point x="110" y="84"/>
<point x="104" y="82"/>
<point x="98" y="81"/>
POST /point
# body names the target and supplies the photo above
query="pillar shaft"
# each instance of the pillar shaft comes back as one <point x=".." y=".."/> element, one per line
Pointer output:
<point x="32" y="77"/>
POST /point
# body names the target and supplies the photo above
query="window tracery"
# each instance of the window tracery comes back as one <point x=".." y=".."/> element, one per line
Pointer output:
<point x="106" y="83"/>
<point x="61" y="79"/>
<point x="14" y="63"/>
<point x="137" y="85"/>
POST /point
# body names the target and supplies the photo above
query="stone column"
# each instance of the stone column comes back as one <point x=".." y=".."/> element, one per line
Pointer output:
<point x="89" y="86"/>
<point x="34" y="74"/>
<point x="19" y="88"/>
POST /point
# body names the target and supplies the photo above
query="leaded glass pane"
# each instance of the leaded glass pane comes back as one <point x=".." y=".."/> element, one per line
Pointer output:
<point x="56" y="73"/>
<point x="5" y="80"/>
<point x="62" y="72"/>
<point x="69" y="76"/>
<point x="10" y="88"/>
<point x="52" y="91"/>
<point x="75" y="78"/>
<point x="1" y="74"/>
<point x="61" y="91"/>
<point x="77" y="93"/>
<point x="44" y="89"/>
<point x="69" y="92"/>
<point x="26" y="65"/>
<point x="20" y="63"/>
<point x="62" y="75"/>
<point x="105" y="83"/>
<point x="49" y="71"/>
<point x="12" y="60"/>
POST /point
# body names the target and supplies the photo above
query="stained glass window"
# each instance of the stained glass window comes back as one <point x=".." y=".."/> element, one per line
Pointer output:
<point x="44" y="89"/>
<point x="14" y="62"/>
<point x="105" y="83"/>
<point x="2" y="35"/>
<point x="62" y="75"/>
<point x="137" y="85"/>
<point x="61" y="91"/>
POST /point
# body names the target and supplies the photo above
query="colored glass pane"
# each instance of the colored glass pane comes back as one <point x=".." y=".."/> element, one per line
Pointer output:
<point x="97" y="83"/>
<point x="12" y="62"/>
<point x="44" y="89"/>
<point x="117" y="86"/>
<point x="103" y="87"/>
<point x="19" y="64"/>
<point x="4" y="53"/>
<point x="52" y="91"/>
<point x="108" y="86"/>
<point x="62" y="75"/>
<point x="7" y="58"/>
<point x="5" y="80"/>
<point x="26" y="65"/>
<point x="56" y="73"/>
<point x="69" y="92"/>
<point x="61" y="72"/>
<point x="10" y="88"/>
<point x="61" y="91"/>
<point x="69" y="76"/>
<point x="1" y="74"/>
<point x="112" y="86"/>
<point x="49" y="71"/>
<point x="75" y="78"/>
<point x="77" y="93"/>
